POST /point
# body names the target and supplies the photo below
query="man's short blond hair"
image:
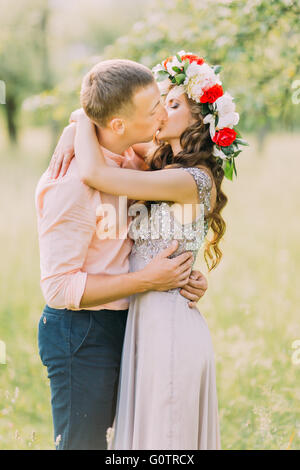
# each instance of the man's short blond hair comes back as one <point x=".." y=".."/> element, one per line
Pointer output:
<point x="108" y="88"/>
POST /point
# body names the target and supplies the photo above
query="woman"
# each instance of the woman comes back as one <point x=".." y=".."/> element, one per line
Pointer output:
<point x="167" y="395"/>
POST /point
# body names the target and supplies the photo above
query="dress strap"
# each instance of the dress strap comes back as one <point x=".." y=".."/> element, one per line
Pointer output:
<point x="204" y="185"/>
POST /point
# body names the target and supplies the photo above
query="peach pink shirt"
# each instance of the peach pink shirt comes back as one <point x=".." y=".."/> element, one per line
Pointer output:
<point x="72" y="239"/>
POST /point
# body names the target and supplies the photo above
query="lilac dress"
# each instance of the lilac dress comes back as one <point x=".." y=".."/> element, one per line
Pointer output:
<point x="167" y="397"/>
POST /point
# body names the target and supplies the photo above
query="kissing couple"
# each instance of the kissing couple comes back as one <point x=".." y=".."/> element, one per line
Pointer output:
<point x="128" y="353"/>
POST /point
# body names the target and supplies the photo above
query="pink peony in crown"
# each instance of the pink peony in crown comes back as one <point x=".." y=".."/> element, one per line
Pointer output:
<point x="201" y="82"/>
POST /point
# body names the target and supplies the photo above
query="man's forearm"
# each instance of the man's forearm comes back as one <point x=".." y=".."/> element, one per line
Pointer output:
<point x="103" y="288"/>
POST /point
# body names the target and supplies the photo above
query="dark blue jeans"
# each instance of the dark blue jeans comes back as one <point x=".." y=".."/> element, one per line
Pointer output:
<point x="82" y="352"/>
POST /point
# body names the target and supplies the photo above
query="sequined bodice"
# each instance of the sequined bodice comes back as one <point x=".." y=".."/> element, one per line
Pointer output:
<point x="153" y="231"/>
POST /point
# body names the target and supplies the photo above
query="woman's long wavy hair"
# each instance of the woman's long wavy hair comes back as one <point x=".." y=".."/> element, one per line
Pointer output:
<point x="197" y="149"/>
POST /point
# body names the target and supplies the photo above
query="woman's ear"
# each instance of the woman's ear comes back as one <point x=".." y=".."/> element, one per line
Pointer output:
<point x="117" y="125"/>
<point x="192" y="120"/>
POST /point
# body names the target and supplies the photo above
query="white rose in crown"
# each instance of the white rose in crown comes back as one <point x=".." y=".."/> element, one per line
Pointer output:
<point x="210" y="119"/>
<point x="226" y="111"/>
<point x="225" y="104"/>
<point x="199" y="78"/>
<point x="203" y="72"/>
<point x="192" y="70"/>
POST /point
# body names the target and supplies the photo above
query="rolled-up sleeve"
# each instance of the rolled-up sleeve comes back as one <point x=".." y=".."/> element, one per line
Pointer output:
<point x="66" y="224"/>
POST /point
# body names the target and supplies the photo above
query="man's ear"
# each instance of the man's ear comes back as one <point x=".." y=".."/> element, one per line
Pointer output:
<point x="117" y="125"/>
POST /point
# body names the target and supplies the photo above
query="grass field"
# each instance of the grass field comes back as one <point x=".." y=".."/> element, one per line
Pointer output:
<point x="252" y="304"/>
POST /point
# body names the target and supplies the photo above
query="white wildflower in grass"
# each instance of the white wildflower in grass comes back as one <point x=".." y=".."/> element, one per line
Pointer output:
<point x="241" y="351"/>
<point x="109" y="434"/>
<point x="296" y="353"/>
<point x="264" y="422"/>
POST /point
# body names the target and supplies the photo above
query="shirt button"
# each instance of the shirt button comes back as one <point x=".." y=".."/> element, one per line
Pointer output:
<point x="44" y="320"/>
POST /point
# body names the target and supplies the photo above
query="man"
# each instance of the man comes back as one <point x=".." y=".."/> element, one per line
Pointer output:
<point x="84" y="272"/>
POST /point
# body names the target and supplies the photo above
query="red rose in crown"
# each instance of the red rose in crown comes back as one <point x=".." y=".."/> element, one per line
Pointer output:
<point x="224" y="137"/>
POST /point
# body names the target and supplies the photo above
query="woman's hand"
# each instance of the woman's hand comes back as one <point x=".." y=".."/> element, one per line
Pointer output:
<point x="195" y="288"/>
<point x="76" y="115"/>
<point x="63" y="153"/>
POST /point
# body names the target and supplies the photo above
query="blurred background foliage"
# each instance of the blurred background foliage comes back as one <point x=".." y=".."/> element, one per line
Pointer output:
<point x="47" y="46"/>
<point x="252" y="304"/>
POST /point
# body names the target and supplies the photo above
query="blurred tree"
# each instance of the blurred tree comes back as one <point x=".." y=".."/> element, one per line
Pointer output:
<point x="257" y="42"/>
<point x="24" y="58"/>
<point x="79" y="32"/>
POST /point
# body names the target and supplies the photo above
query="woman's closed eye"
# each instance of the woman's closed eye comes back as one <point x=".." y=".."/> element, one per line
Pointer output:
<point x="173" y="104"/>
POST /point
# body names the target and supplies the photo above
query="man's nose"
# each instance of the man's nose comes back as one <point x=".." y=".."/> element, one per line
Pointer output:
<point x="164" y="115"/>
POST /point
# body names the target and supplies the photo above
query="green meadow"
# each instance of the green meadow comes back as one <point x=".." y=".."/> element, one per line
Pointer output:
<point x="251" y="306"/>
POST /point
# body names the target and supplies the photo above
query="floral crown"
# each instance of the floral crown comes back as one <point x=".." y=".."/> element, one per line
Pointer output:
<point x="202" y="83"/>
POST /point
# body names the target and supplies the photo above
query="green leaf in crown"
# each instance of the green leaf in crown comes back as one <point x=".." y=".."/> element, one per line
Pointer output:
<point x="179" y="78"/>
<point x="227" y="150"/>
<point x="234" y="167"/>
<point x="228" y="170"/>
<point x="241" y="142"/>
<point x="205" y="109"/>
<point x="186" y="64"/>
<point x="177" y="69"/>
<point x="161" y="75"/>
<point x="217" y="69"/>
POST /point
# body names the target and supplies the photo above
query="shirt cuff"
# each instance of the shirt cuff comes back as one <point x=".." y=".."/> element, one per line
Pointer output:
<point x="75" y="289"/>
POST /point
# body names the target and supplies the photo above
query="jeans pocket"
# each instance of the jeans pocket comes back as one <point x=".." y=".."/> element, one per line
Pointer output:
<point x="53" y="333"/>
<point x="81" y="326"/>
